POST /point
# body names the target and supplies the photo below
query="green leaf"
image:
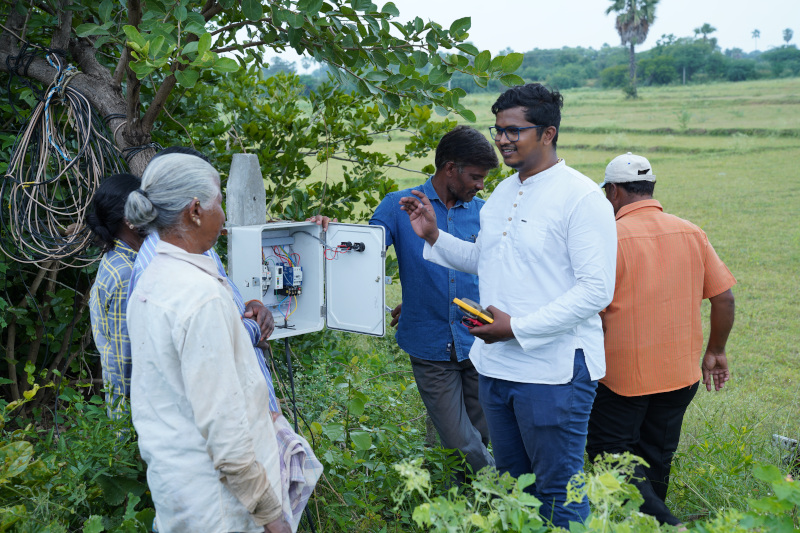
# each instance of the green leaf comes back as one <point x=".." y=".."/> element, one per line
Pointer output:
<point x="105" y="10"/>
<point x="334" y="432"/>
<point x="356" y="406"/>
<point x="187" y="78"/>
<point x="190" y="48"/>
<point x="438" y="76"/>
<point x="420" y="58"/>
<point x="251" y="9"/>
<point x="442" y="112"/>
<point x="195" y="28"/>
<point x="511" y="62"/>
<point x="482" y="60"/>
<point x="310" y="6"/>
<point x="226" y="64"/>
<point x="467" y="114"/>
<point x="376" y="76"/>
<point x="768" y="473"/>
<point x="510" y="80"/>
<point x="100" y="41"/>
<point x="362" y="5"/>
<point x="133" y="35"/>
<point x="141" y="69"/>
<point x="468" y="48"/>
<point x="380" y="59"/>
<point x="15" y="458"/>
<point x="93" y="524"/>
<point x="116" y="488"/>
<point x="295" y="20"/>
<point x="180" y="13"/>
<point x="361" y="440"/>
<point x="156" y="44"/>
<point x="86" y="30"/>
<point x="391" y="9"/>
<point x="203" y="44"/>
<point x="391" y="100"/>
<point x="460" y="25"/>
<point x="6" y="381"/>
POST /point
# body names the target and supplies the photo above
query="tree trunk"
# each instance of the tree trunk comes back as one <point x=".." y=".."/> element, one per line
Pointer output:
<point x="633" y="72"/>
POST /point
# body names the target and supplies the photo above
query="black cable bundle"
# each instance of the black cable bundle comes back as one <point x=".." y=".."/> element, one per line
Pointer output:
<point x="58" y="160"/>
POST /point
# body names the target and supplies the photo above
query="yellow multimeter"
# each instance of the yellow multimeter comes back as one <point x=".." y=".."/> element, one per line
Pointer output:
<point x="474" y="311"/>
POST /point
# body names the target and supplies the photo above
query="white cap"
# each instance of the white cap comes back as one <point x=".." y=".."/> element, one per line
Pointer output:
<point x="627" y="168"/>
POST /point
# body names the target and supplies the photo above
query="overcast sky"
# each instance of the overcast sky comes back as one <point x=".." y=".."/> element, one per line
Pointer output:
<point x="527" y="24"/>
<point x="524" y="25"/>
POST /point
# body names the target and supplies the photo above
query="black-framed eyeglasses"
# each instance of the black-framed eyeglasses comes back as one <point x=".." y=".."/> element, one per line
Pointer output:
<point x="512" y="132"/>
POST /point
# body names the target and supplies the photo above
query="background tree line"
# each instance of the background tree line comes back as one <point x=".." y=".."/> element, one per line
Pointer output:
<point x="674" y="60"/>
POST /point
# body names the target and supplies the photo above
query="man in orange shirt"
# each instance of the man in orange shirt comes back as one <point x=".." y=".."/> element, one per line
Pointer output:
<point x="653" y="330"/>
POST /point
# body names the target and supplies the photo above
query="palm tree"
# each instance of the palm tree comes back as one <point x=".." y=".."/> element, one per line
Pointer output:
<point x="756" y="34"/>
<point x="787" y="35"/>
<point x="706" y="29"/>
<point x="634" y="18"/>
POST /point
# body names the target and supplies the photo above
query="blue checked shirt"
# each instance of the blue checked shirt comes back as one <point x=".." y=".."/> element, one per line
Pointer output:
<point x="430" y="323"/>
<point x="108" y="305"/>
<point x="146" y="254"/>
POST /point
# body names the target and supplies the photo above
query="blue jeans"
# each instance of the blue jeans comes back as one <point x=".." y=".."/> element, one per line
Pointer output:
<point x="541" y="429"/>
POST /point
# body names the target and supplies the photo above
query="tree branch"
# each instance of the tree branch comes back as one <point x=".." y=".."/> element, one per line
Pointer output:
<point x="15" y="23"/>
<point x="159" y="100"/>
<point x="134" y="85"/>
<point x="60" y="40"/>
<point x="237" y="25"/>
<point x="239" y="46"/>
<point x="211" y="10"/>
<point x="119" y="71"/>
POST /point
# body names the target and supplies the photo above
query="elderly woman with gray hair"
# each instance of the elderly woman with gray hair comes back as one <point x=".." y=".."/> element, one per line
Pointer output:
<point x="198" y="397"/>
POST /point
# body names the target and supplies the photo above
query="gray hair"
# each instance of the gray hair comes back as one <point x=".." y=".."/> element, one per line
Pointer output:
<point x="169" y="184"/>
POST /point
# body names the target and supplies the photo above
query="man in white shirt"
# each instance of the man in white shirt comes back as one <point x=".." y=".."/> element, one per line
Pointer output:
<point x="546" y="261"/>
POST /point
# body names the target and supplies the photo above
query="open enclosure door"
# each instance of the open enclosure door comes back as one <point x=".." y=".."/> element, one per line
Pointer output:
<point x="354" y="278"/>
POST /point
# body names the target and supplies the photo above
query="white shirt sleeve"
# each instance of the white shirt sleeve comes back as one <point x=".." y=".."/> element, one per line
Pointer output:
<point x="452" y="252"/>
<point x="592" y="249"/>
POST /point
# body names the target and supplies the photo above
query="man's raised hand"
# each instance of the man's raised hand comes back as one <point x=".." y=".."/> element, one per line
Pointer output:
<point x="420" y="212"/>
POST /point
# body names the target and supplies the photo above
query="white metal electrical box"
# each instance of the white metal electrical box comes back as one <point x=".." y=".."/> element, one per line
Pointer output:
<point x="308" y="277"/>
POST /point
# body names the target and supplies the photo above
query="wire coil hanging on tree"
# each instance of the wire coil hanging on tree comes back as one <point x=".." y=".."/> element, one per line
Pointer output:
<point x="58" y="161"/>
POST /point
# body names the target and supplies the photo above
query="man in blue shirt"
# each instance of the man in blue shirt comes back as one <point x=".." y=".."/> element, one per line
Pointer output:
<point x="429" y="328"/>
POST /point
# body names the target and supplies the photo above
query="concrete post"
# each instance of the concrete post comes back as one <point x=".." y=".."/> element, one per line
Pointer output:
<point x="246" y="198"/>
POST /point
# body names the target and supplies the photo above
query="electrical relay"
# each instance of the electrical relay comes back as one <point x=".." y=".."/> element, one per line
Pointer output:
<point x="288" y="280"/>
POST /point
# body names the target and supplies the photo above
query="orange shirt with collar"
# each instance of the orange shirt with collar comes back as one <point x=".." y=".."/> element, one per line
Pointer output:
<point x="653" y="330"/>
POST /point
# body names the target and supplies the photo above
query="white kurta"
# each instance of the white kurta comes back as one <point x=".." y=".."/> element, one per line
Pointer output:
<point x="546" y="255"/>
<point x="199" y="400"/>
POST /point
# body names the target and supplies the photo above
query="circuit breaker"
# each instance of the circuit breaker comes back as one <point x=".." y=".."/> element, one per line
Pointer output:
<point x="308" y="277"/>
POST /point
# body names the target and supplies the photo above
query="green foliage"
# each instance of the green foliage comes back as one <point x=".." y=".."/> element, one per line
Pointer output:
<point x="616" y="76"/>
<point x="496" y="503"/>
<point x="659" y="70"/>
<point x="365" y="46"/>
<point x="784" y="60"/>
<point x="354" y="408"/>
<point x="315" y="148"/>
<point x="84" y="473"/>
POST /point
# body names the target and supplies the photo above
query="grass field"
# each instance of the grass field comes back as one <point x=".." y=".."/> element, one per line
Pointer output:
<point x="727" y="157"/>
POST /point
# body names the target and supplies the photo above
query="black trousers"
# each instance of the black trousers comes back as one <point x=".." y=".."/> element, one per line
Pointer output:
<point x="449" y="390"/>
<point x="648" y="426"/>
